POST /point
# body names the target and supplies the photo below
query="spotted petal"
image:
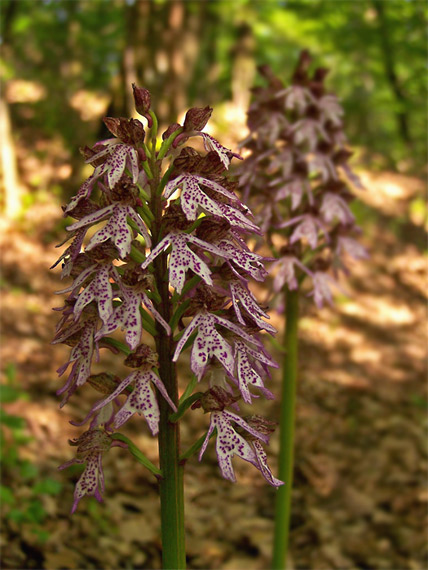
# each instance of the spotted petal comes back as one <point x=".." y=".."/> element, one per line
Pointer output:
<point x="249" y="303"/>
<point x="183" y="258"/>
<point x="100" y="290"/>
<point x="118" y="231"/>
<point x="247" y="374"/>
<point x="333" y="206"/>
<point x="263" y="466"/>
<point x="250" y="262"/>
<point x="142" y="400"/>
<point x="230" y="443"/>
<point x="117" y="163"/>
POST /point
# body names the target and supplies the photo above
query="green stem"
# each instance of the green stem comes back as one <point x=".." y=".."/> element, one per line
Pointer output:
<point x="287" y="422"/>
<point x="171" y="484"/>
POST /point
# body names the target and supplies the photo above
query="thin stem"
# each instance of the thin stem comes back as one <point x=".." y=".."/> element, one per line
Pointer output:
<point x="287" y="423"/>
<point x="171" y="484"/>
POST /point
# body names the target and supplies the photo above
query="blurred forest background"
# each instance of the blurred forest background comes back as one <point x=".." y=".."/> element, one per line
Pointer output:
<point x="360" y="496"/>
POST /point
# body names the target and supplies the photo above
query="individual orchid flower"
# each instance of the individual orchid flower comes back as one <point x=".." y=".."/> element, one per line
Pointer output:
<point x="116" y="229"/>
<point x="229" y="441"/>
<point x="141" y="400"/>
<point x="247" y="371"/>
<point x="322" y="292"/>
<point x="182" y="258"/>
<point x="91" y="447"/>
<point x="209" y="342"/>
<point x="351" y="247"/>
<point x="127" y="316"/>
<point x="81" y="356"/>
<point x="307" y="229"/>
<point x="285" y="272"/>
<point x="242" y="296"/>
<point x="331" y="109"/>
<point x="250" y="262"/>
<point x="232" y="441"/>
<point x="333" y="206"/>
<point x="119" y="155"/>
<point x="309" y="131"/>
<point x="296" y="189"/>
<point x="322" y="165"/>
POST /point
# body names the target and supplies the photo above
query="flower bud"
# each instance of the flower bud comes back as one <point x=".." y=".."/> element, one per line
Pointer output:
<point x="188" y="160"/>
<point x="196" y="118"/>
<point x="259" y="423"/>
<point x="103" y="252"/>
<point x="143" y="357"/>
<point x="216" y="399"/>
<point x="104" y="382"/>
<point x="92" y="441"/>
<point x="142" y="99"/>
<point x="174" y="219"/>
<point x="213" y="228"/>
<point x="170" y="130"/>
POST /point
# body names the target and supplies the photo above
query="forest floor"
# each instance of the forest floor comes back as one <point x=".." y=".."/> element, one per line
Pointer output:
<point x="360" y="494"/>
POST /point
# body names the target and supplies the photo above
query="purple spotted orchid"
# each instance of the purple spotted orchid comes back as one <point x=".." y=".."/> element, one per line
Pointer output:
<point x="295" y="179"/>
<point x="295" y="182"/>
<point x="159" y="263"/>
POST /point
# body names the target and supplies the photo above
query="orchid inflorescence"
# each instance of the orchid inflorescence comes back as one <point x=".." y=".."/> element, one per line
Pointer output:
<point x="293" y="179"/>
<point x="171" y="221"/>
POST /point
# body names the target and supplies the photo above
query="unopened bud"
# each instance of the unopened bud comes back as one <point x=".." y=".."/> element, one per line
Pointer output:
<point x="213" y="228"/>
<point x="92" y="441"/>
<point x="216" y="399"/>
<point x="103" y="252"/>
<point x="143" y="357"/>
<point x="142" y="99"/>
<point x="196" y="118"/>
<point x="170" y="130"/>
<point x="259" y="423"/>
<point x="188" y="160"/>
<point x="104" y="382"/>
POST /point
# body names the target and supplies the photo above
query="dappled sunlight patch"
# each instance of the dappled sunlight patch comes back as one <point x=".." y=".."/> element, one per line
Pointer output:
<point x="382" y="311"/>
<point x="24" y="91"/>
<point x="389" y="191"/>
<point x="90" y="105"/>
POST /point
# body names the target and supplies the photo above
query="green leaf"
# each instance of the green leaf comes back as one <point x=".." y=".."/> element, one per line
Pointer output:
<point x="6" y="495"/>
<point x="36" y="512"/>
<point x="47" y="487"/>
<point x="10" y="371"/>
<point x="17" y="516"/>
<point x="185" y="405"/>
<point x="139" y="456"/>
<point x="117" y="344"/>
<point x="42" y="535"/>
<point x="28" y="470"/>
<point x="8" y="394"/>
<point x="178" y="314"/>
<point x="14" y="422"/>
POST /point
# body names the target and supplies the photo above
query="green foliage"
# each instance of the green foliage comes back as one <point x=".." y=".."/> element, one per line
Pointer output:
<point x="23" y="488"/>
<point x="376" y="52"/>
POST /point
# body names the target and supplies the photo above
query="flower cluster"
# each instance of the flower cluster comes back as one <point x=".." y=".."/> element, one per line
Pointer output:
<point x="133" y="211"/>
<point x="296" y="175"/>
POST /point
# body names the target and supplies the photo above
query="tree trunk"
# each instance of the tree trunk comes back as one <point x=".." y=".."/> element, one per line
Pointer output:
<point x="12" y="188"/>
<point x="391" y="74"/>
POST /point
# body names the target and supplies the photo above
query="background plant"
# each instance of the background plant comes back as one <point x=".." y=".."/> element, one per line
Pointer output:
<point x="295" y="178"/>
